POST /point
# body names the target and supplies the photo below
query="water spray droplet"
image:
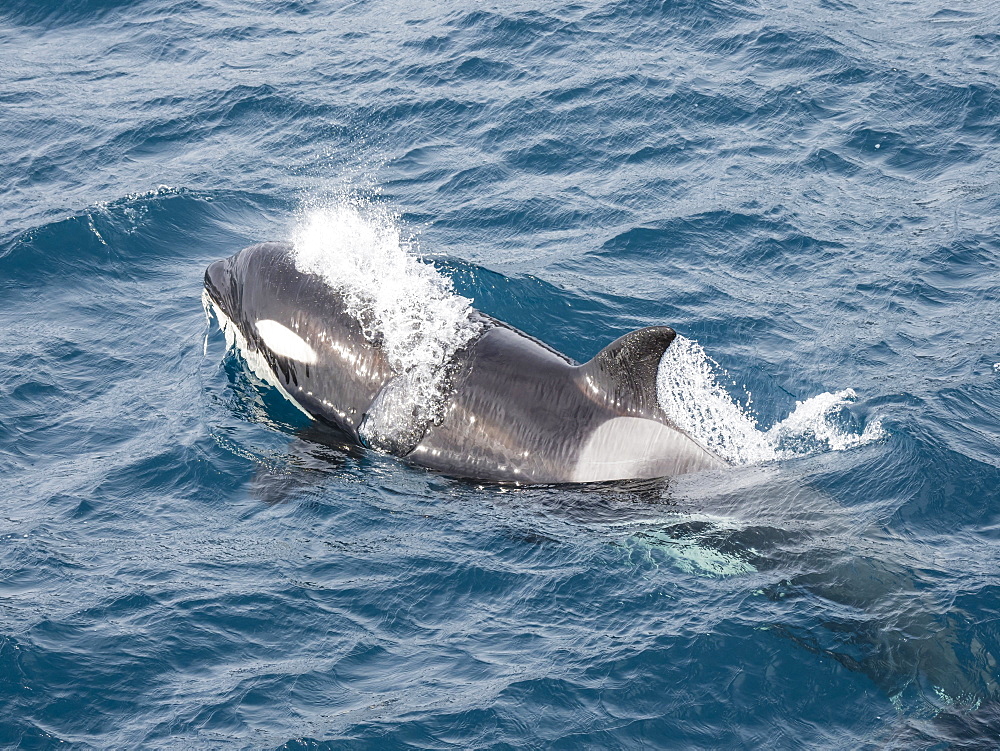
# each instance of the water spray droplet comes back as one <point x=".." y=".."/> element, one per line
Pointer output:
<point x="689" y="391"/>
<point x="401" y="301"/>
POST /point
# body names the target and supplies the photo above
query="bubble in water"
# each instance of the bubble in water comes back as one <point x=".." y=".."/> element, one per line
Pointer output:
<point x="402" y="303"/>
<point x="689" y="392"/>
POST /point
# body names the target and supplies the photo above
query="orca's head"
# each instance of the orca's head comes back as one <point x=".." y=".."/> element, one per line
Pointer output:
<point x="260" y="293"/>
<point x="295" y="332"/>
<point x="254" y="282"/>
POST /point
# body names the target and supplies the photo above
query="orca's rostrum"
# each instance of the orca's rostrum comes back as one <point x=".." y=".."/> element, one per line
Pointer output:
<point x="511" y="410"/>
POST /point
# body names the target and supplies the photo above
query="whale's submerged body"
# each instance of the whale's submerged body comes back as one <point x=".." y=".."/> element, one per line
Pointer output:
<point x="513" y="410"/>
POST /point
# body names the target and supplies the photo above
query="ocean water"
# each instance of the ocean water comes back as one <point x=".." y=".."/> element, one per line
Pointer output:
<point x="809" y="193"/>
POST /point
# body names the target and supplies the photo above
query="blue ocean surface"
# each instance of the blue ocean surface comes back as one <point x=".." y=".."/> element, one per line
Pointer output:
<point x="808" y="192"/>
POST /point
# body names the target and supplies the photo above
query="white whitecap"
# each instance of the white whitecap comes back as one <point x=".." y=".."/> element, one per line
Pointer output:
<point x="283" y="341"/>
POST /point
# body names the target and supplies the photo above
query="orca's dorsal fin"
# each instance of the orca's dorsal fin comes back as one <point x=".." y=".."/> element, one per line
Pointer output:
<point x="623" y="374"/>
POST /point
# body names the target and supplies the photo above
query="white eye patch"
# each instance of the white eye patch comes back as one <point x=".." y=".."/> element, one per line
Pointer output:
<point x="283" y="341"/>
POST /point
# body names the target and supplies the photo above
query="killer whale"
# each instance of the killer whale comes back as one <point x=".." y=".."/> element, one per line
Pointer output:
<point x="514" y="410"/>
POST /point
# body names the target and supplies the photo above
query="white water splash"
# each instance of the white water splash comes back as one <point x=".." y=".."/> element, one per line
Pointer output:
<point x="690" y="393"/>
<point x="809" y="426"/>
<point x="401" y="302"/>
